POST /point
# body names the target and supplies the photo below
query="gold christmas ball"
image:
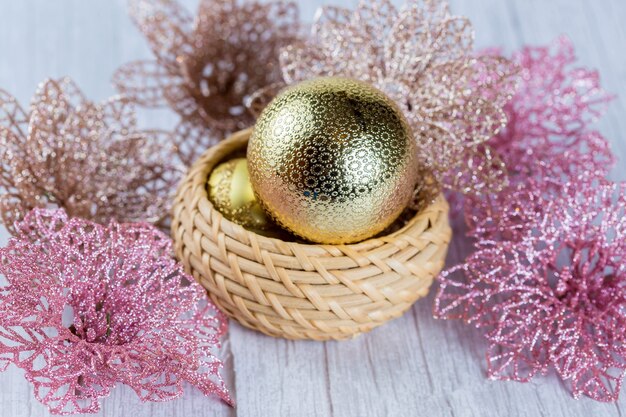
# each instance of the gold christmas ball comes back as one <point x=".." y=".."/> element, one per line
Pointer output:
<point x="333" y="160"/>
<point x="231" y="193"/>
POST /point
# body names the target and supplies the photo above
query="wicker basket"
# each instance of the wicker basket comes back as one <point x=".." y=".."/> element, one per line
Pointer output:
<point x="303" y="291"/>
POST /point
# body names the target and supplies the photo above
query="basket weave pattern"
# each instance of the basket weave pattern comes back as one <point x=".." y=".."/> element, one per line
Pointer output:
<point x="303" y="291"/>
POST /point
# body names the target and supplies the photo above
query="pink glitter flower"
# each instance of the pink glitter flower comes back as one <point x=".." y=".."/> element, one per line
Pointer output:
<point x="547" y="142"/>
<point x="556" y="297"/>
<point x="539" y="168"/>
<point x="87" y="306"/>
<point x="547" y="282"/>
<point x="554" y="97"/>
<point x="548" y="116"/>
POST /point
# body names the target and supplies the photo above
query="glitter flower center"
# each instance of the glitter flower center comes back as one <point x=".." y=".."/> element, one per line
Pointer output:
<point x="583" y="279"/>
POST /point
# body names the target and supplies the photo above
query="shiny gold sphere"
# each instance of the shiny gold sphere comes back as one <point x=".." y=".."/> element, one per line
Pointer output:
<point x="231" y="193"/>
<point x="333" y="160"/>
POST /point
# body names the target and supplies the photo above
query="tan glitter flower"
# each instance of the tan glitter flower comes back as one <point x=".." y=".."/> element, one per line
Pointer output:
<point x="422" y="57"/>
<point x="89" y="159"/>
<point x="206" y="66"/>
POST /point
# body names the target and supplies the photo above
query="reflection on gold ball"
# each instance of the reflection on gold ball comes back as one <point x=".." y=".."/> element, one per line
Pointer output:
<point x="231" y="193"/>
<point x="333" y="160"/>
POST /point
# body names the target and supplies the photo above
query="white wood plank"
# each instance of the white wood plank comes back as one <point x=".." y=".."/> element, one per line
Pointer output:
<point x="277" y="377"/>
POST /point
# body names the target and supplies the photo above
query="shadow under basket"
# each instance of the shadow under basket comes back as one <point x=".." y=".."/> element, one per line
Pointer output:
<point x="300" y="290"/>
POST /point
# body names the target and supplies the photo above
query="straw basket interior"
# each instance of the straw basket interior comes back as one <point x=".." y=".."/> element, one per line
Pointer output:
<point x="299" y="290"/>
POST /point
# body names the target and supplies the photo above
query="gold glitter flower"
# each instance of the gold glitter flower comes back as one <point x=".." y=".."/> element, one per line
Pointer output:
<point x="422" y="57"/>
<point x="206" y="66"/>
<point x="89" y="159"/>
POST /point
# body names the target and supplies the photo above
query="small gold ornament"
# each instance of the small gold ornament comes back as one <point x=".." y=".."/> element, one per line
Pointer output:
<point x="333" y="160"/>
<point x="231" y="193"/>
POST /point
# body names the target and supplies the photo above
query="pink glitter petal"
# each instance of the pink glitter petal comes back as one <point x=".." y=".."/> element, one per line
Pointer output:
<point x="134" y="316"/>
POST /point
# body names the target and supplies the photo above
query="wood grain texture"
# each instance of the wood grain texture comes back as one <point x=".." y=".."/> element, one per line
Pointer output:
<point x="415" y="365"/>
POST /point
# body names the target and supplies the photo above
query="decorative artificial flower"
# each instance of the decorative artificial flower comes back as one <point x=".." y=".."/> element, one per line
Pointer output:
<point x="87" y="306"/>
<point x="551" y="114"/>
<point x="539" y="168"/>
<point x="89" y="159"/>
<point x="547" y="142"/>
<point x="555" y="297"/>
<point x="207" y="66"/>
<point x="554" y="97"/>
<point x="546" y="283"/>
<point x="422" y="57"/>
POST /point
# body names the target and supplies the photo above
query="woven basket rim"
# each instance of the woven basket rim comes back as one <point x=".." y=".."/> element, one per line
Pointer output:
<point x="205" y="164"/>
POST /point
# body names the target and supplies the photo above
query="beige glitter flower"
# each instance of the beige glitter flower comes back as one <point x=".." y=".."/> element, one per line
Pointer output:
<point x="422" y="57"/>
<point x="89" y="159"/>
<point x="206" y="66"/>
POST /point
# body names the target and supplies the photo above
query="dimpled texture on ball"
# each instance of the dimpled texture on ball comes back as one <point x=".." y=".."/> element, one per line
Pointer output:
<point x="333" y="160"/>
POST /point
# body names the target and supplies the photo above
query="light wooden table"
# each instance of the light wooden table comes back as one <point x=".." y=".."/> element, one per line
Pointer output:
<point x="414" y="366"/>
